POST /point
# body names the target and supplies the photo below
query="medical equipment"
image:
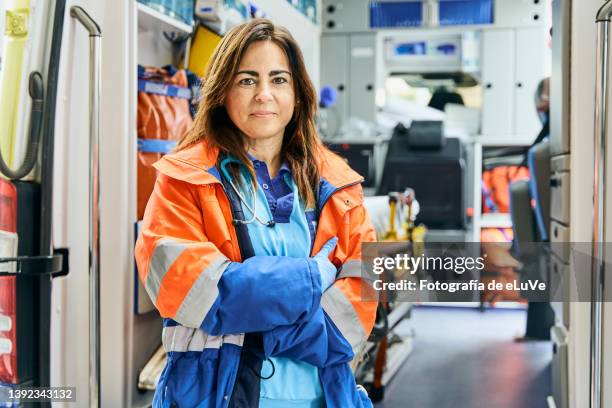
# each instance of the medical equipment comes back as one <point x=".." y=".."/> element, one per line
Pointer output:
<point x="436" y="173"/>
<point x="179" y="9"/>
<point x="361" y="156"/>
<point x="498" y="47"/>
<point x="202" y="48"/>
<point x="253" y="210"/>
<point x="163" y="117"/>
<point x="222" y="15"/>
<point x="379" y="211"/>
<point x="255" y="217"/>
<point x="389" y="344"/>
<point x="327" y="99"/>
<point x="392" y="232"/>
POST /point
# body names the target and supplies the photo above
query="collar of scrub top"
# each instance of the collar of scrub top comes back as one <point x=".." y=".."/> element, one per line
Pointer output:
<point x="280" y="192"/>
<point x="284" y="168"/>
<point x="231" y="159"/>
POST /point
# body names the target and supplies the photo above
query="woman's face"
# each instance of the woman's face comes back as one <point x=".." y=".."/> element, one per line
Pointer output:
<point x="261" y="100"/>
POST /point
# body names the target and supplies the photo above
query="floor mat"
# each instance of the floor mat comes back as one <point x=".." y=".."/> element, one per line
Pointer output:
<point x="464" y="358"/>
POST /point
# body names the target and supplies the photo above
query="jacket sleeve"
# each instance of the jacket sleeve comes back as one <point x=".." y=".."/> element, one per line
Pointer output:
<point x="191" y="281"/>
<point x="341" y="326"/>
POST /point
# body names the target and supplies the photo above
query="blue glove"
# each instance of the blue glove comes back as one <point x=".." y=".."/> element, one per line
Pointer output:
<point x="327" y="269"/>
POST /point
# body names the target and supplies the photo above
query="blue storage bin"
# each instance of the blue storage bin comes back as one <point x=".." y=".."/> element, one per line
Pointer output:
<point x="411" y="48"/>
<point x="171" y="8"/>
<point x="462" y="12"/>
<point x="186" y="11"/>
<point x="181" y="10"/>
<point x="154" y="4"/>
<point x="238" y="6"/>
<point x="306" y="7"/>
<point x="396" y="14"/>
<point x="310" y="9"/>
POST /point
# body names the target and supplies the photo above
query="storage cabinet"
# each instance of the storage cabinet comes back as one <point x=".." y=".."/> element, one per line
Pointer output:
<point x="508" y="107"/>
<point x="348" y="66"/>
<point x="363" y="15"/>
<point x="498" y="94"/>
<point x="334" y="73"/>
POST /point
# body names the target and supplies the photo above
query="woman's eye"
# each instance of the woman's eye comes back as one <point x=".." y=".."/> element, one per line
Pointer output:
<point x="279" y="80"/>
<point x="247" y="81"/>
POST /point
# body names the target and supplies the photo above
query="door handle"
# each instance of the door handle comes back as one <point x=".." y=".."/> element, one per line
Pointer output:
<point x="599" y="201"/>
<point x="95" y="35"/>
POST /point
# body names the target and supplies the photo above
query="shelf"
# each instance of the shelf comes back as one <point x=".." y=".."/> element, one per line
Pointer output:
<point x="496" y="220"/>
<point x="153" y="20"/>
<point x="499" y="141"/>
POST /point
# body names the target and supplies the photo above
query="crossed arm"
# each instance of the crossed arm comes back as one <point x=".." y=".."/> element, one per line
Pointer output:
<point x="191" y="281"/>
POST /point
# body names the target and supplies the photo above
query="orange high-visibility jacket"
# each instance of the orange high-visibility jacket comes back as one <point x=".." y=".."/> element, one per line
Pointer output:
<point x="189" y="260"/>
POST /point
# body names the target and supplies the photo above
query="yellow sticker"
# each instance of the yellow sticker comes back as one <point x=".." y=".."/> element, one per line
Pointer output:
<point x="16" y="23"/>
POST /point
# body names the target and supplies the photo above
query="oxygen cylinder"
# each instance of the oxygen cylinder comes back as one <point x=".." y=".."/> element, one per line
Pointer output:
<point x="15" y="37"/>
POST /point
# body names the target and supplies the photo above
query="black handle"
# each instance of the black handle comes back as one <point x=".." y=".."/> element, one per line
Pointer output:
<point x="34" y="265"/>
<point x="36" y="89"/>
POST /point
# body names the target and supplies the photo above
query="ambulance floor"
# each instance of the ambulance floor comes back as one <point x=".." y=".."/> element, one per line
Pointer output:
<point x="464" y="358"/>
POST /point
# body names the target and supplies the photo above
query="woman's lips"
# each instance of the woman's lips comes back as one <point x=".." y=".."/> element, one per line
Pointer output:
<point x="263" y="114"/>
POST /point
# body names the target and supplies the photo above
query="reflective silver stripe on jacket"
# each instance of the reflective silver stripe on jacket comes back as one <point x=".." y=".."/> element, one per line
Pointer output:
<point x="203" y="292"/>
<point x="350" y="269"/>
<point x="180" y="338"/>
<point x="342" y="313"/>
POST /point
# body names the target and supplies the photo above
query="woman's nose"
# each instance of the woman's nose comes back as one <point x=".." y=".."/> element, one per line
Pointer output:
<point x="264" y="93"/>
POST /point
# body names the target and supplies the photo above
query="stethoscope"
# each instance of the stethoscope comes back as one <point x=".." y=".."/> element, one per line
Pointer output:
<point x="254" y="218"/>
<point x="243" y="200"/>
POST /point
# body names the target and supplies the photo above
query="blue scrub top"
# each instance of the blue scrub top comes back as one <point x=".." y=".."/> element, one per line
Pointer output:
<point x="295" y="383"/>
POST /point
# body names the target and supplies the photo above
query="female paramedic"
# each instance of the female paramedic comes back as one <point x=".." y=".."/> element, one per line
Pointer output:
<point x="251" y="242"/>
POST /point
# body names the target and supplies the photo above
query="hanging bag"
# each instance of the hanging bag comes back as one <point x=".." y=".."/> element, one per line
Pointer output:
<point x="163" y="117"/>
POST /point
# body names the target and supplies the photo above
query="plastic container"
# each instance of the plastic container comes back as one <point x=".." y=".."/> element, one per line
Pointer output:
<point x="396" y="14"/>
<point x="186" y="10"/>
<point x="309" y="8"/>
<point x="181" y="10"/>
<point x="464" y="12"/>
<point x="154" y="4"/>
<point x="239" y="6"/>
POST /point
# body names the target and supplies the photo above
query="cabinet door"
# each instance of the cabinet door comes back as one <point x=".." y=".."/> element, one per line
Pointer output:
<point x="497" y="83"/>
<point x="560" y="78"/>
<point x="362" y="68"/>
<point x="530" y="70"/>
<point x="334" y="73"/>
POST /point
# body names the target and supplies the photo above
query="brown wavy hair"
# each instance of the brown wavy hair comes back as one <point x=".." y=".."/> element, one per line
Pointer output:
<point x="213" y="125"/>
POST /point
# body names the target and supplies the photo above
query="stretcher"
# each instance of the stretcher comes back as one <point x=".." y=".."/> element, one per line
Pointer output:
<point x="390" y="344"/>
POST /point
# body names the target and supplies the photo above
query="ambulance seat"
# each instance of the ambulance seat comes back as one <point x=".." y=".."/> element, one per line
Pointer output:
<point x="523" y="220"/>
<point x="538" y="160"/>
<point x="434" y="166"/>
<point x="531" y="222"/>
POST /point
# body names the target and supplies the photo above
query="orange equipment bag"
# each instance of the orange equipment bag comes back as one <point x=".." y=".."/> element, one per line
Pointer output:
<point x="496" y="187"/>
<point x="163" y="118"/>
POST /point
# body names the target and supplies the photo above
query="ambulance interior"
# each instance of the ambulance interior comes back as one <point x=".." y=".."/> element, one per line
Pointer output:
<point x="471" y="121"/>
